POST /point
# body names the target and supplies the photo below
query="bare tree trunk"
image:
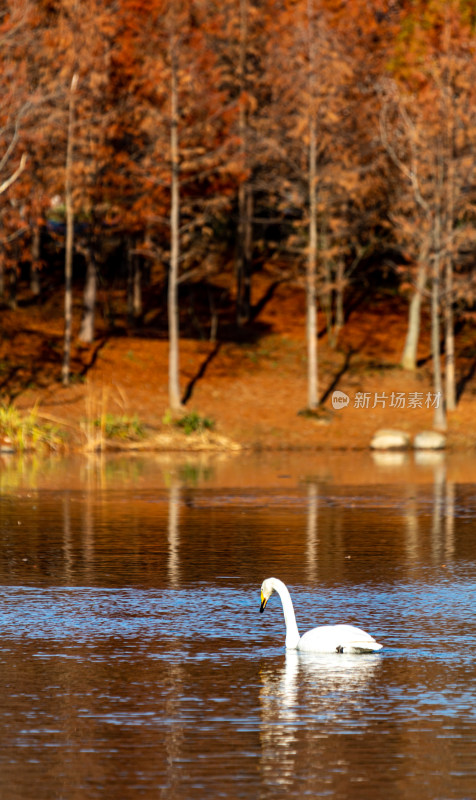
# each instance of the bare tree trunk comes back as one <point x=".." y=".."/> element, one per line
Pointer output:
<point x="173" y="319"/>
<point x="134" y="284"/>
<point x="35" y="261"/>
<point x="409" y="356"/>
<point x="450" y="146"/>
<point x="245" y="195"/>
<point x="449" y="338"/>
<point x="130" y="282"/>
<point x="137" y="289"/>
<point x="86" y="331"/>
<point x="245" y="243"/>
<point x="311" y="278"/>
<point x="13" y="289"/>
<point x="339" y="301"/>
<point x="311" y="295"/>
<point x="68" y="263"/>
<point x="440" y="415"/>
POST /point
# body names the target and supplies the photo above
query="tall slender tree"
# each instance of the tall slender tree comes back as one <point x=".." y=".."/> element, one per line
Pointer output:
<point x="305" y="146"/>
<point x="183" y="165"/>
<point x="172" y="306"/>
<point x="69" y="240"/>
<point x="428" y="129"/>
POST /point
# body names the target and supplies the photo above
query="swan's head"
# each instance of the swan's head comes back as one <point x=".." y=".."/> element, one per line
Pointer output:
<point x="267" y="590"/>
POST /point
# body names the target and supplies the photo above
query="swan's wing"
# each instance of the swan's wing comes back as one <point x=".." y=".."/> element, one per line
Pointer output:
<point x="338" y="639"/>
<point x="355" y="640"/>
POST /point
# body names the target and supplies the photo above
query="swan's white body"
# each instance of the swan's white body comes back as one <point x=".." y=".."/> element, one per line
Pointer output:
<point x="326" y="638"/>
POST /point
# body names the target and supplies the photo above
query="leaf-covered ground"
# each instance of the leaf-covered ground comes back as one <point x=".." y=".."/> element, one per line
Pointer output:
<point x="250" y="381"/>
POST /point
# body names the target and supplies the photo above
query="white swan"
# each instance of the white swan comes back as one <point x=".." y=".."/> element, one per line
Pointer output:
<point x="326" y="638"/>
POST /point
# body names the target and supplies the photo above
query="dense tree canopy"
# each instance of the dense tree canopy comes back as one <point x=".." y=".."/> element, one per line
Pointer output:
<point x="320" y="135"/>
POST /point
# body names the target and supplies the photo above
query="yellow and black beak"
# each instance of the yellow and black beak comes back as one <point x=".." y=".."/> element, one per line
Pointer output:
<point x="264" y="600"/>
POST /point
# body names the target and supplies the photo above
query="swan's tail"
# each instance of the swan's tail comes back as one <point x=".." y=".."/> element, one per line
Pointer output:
<point x="361" y="646"/>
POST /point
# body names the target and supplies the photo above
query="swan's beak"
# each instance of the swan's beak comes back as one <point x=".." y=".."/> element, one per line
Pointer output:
<point x="264" y="600"/>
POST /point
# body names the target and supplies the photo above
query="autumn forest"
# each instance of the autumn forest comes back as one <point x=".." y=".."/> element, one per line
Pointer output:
<point x="174" y="142"/>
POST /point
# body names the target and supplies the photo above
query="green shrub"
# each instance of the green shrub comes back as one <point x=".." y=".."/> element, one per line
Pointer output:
<point x="194" y="423"/>
<point x="120" y="427"/>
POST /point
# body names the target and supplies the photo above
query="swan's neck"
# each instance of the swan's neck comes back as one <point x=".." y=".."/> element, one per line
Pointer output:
<point x="292" y="633"/>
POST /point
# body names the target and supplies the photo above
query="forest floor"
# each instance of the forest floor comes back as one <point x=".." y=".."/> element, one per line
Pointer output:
<point x="251" y="382"/>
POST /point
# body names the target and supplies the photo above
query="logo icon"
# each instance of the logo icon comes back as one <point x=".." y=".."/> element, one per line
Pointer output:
<point x="340" y="400"/>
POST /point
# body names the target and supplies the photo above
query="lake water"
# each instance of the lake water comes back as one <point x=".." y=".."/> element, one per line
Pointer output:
<point x="134" y="662"/>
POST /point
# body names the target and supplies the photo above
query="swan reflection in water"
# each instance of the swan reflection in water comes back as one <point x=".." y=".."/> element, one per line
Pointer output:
<point x="307" y="700"/>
